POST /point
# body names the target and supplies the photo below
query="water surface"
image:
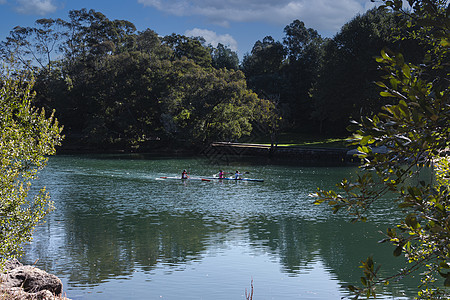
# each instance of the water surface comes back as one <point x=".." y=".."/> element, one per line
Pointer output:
<point x="119" y="231"/>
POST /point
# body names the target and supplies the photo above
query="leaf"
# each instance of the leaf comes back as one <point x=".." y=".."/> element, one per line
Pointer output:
<point x="386" y="94"/>
<point x="352" y="288"/>
<point x="406" y="71"/>
<point x="381" y="84"/>
<point x="447" y="281"/>
<point x="384" y="54"/>
<point x="364" y="281"/>
<point x="400" y="59"/>
<point x="405" y="205"/>
<point x="394" y="83"/>
<point x="445" y="42"/>
<point x="411" y="221"/>
<point x="365" y="140"/>
<point x="398" y="251"/>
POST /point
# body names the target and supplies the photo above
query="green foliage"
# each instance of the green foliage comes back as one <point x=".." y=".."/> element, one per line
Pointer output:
<point x="304" y="48"/>
<point x="27" y="136"/>
<point x="345" y="88"/>
<point x="207" y="105"/>
<point x="263" y="68"/>
<point x="189" y="48"/>
<point x="414" y="130"/>
<point x="286" y="72"/>
<point x="223" y="57"/>
<point x="114" y="88"/>
<point x="159" y="89"/>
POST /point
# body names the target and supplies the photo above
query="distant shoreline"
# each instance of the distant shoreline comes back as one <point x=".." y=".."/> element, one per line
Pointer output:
<point x="226" y="151"/>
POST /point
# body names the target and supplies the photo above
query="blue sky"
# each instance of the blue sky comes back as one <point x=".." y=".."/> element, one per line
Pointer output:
<point x="236" y="23"/>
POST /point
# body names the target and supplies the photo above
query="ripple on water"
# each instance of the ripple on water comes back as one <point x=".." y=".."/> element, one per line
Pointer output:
<point x="119" y="231"/>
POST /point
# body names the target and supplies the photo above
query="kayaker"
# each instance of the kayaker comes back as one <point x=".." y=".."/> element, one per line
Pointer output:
<point x="221" y="174"/>
<point x="237" y="175"/>
<point x="184" y="174"/>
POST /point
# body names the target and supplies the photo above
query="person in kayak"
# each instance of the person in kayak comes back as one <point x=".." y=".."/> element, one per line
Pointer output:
<point x="237" y="175"/>
<point x="184" y="174"/>
<point x="221" y="174"/>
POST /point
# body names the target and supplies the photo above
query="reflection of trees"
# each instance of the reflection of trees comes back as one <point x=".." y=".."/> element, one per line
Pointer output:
<point x="113" y="245"/>
<point x="340" y="244"/>
<point x="291" y="238"/>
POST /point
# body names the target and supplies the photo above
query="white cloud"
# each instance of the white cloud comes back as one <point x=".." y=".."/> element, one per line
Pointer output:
<point x="213" y="38"/>
<point x="2" y="2"/>
<point x="318" y="14"/>
<point x="35" y="7"/>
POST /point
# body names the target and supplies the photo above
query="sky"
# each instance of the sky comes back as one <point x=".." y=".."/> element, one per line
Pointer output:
<point x="237" y="24"/>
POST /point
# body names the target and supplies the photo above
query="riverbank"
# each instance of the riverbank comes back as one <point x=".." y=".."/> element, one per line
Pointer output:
<point x="301" y="153"/>
<point x="225" y="151"/>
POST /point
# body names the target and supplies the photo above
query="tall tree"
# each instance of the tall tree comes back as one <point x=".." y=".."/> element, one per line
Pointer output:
<point x="262" y="67"/>
<point x="190" y="48"/>
<point x="223" y="57"/>
<point x="92" y="34"/>
<point x="149" y="42"/>
<point x="344" y="89"/>
<point x="304" y="51"/>
<point x="34" y="46"/>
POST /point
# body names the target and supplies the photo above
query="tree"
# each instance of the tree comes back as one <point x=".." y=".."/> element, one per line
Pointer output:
<point x="27" y="136"/>
<point x="203" y="105"/>
<point x="149" y="42"/>
<point x="33" y="46"/>
<point x="189" y="48"/>
<point x="345" y="88"/>
<point x="124" y="95"/>
<point x="266" y="58"/>
<point x="304" y="51"/>
<point x="415" y="130"/>
<point x="223" y="57"/>
<point x="263" y="68"/>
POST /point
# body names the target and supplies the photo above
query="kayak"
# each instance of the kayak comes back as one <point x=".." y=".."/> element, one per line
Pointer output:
<point x="210" y="178"/>
<point x="189" y="178"/>
<point x="239" y="179"/>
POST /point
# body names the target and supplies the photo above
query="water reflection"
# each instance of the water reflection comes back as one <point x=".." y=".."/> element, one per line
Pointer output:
<point x="115" y="219"/>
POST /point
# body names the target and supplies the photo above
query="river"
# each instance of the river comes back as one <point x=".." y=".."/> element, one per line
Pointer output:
<point x="119" y="231"/>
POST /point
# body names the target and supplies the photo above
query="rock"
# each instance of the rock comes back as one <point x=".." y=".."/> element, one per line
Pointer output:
<point x="28" y="282"/>
<point x="33" y="280"/>
<point x="12" y="264"/>
<point x="19" y="294"/>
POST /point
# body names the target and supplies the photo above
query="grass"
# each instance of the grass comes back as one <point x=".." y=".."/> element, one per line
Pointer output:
<point x="249" y="296"/>
<point x="302" y="140"/>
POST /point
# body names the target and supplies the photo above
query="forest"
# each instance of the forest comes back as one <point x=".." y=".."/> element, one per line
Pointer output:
<point x="114" y="87"/>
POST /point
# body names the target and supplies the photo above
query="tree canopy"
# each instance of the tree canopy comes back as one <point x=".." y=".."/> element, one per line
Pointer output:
<point x="314" y="84"/>
<point x="116" y="88"/>
<point x="308" y="79"/>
